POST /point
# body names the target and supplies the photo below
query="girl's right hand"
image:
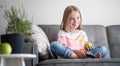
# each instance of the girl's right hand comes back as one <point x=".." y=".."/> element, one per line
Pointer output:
<point x="80" y="53"/>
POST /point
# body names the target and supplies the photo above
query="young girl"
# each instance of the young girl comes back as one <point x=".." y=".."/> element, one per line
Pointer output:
<point x="71" y="38"/>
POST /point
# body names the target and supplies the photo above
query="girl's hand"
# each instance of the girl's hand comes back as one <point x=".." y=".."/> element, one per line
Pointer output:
<point x="88" y="48"/>
<point x="80" y="53"/>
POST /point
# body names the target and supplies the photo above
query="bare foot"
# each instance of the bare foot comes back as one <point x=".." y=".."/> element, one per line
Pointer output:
<point x="98" y="55"/>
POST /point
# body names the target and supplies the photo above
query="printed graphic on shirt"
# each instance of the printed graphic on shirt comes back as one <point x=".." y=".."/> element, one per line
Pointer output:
<point x="80" y="40"/>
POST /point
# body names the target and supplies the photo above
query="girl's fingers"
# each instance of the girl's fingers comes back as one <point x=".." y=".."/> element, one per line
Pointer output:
<point x="81" y="54"/>
<point x="84" y="54"/>
<point x="89" y="48"/>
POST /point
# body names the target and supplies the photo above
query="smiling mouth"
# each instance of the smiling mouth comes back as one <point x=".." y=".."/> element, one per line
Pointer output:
<point x="74" y="24"/>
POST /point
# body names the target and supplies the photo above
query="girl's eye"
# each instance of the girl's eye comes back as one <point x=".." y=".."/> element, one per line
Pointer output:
<point x="71" y="18"/>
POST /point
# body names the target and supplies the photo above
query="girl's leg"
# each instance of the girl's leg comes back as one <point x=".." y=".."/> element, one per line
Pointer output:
<point x="59" y="49"/>
<point x="98" y="51"/>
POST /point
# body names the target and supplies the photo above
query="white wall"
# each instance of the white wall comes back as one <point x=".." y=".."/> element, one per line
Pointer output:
<point x="101" y="12"/>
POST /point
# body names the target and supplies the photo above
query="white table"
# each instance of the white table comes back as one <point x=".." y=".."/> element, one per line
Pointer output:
<point x="14" y="59"/>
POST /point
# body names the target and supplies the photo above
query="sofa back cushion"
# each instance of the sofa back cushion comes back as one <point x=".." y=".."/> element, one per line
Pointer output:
<point x="96" y="34"/>
<point x="51" y="31"/>
<point x="39" y="37"/>
<point x="113" y="33"/>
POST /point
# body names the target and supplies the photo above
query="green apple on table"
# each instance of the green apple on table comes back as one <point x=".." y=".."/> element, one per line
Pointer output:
<point x="5" y="48"/>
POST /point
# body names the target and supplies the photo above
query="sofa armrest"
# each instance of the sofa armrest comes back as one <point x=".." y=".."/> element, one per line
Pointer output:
<point x="31" y="48"/>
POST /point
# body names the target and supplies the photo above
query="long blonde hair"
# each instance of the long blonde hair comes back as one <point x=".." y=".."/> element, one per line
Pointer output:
<point x="64" y="24"/>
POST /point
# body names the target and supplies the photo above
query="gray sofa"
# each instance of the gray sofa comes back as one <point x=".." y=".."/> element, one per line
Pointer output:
<point x="108" y="36"/>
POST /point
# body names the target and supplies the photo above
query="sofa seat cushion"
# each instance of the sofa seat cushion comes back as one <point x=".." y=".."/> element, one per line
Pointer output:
<point x="81" y="62"/>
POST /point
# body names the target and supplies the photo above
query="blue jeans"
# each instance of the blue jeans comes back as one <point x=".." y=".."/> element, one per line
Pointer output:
<point x="59" y="49"/>
<point x="101" y="49"/>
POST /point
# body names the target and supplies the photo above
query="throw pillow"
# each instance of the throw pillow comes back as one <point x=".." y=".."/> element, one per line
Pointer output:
<point x="39" y="37"/>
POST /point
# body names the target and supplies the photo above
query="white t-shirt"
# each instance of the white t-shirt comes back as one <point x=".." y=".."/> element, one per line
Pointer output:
<point x="74" y="41"/>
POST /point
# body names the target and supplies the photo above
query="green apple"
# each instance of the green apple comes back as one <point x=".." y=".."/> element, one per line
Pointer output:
<point x="5" y="48"/>
<point x="87" y="44"/>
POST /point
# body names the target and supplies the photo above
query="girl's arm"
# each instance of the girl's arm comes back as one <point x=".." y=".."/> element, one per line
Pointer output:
<point x="62" y="38"/>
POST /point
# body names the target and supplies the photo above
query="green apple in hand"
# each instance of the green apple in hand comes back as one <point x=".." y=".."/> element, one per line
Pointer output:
<point x="87" y="44"/>
<point x="5" y="48"/>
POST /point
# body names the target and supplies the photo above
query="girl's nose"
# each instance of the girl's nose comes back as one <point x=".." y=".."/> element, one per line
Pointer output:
<point x="75" y="20"/>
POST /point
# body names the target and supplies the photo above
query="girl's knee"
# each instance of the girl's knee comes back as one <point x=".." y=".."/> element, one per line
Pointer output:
<point x="102" y="48"/>
<point x="55" y="44"/>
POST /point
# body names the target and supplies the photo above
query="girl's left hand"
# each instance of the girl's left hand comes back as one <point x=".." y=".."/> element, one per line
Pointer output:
<point x="88" y="48"/>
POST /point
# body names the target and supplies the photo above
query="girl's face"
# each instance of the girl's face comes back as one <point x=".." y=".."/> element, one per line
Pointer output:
<point x="74" y="20"/>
